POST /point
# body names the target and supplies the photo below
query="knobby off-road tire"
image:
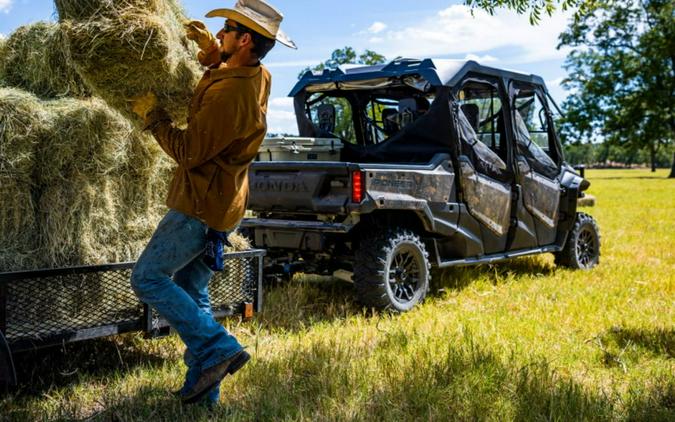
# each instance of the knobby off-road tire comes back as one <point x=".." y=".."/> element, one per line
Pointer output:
<point x="391" y="270"/>
<point x="582" y="248"/>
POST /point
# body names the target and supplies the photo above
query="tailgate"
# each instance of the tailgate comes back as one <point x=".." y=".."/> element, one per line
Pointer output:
<point x="292" y="186"/>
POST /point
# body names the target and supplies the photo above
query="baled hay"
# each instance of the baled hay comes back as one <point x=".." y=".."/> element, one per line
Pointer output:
<point x="35" y="58"/>
<point x="3" y="42"/>
<point x="106" y="186"/>
<point x="87" y="138"/>
<point x="22" y="124"/>
<point x="137" y="49"/>
<point x="78" y="186"/>
<point x="78" y="224"/>
<point x="85" y="9"/>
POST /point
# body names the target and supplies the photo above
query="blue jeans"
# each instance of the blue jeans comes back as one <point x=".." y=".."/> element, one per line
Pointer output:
<point x="171" y="277"/>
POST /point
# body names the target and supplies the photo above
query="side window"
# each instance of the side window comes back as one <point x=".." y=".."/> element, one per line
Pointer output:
<point x="332" y="116"/>
<point x="531" y="131"/>
<point x="533" y="114"/>
<point x="482" y="106"/>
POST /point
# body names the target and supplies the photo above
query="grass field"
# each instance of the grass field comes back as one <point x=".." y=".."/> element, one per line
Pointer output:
<point x="522" y="340"/>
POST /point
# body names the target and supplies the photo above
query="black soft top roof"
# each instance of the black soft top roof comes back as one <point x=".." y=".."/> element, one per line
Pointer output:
<point x="435" y="72"/>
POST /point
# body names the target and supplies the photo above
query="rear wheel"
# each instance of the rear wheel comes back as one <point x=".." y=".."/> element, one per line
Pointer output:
<point x="391" y="270"/>
<point x="582" y="248"/>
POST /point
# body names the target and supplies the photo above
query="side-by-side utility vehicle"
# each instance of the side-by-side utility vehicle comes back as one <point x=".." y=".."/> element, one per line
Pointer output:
<point x="415" y="165"/>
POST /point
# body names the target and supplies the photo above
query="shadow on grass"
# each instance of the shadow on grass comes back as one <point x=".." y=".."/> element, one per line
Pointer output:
<point x="459" y="383"/>
<point x="39" y="371"/>
<point x="308" y="300"/>
<point x="620" y="345"/>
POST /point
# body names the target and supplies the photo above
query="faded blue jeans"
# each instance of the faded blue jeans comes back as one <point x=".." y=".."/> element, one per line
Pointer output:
<point x="171" y="277"/>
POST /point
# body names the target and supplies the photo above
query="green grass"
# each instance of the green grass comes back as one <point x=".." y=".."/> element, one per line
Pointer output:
<point x="521" y="340"/>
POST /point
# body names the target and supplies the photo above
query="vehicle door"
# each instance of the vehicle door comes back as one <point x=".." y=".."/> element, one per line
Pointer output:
<point x="485" y="176"/>
<point x="539" y="159"/>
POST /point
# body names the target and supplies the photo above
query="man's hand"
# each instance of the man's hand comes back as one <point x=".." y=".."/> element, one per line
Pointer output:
<point x="197" y="32"/>
<point x="144" y="104"/>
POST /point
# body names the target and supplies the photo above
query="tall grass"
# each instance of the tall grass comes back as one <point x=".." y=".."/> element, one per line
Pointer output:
<point x="521" y="340"/>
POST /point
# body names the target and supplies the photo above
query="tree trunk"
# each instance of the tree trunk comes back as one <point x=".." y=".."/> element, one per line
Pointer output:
<point x="672" y="169"/>
<point x="652" y="153"/>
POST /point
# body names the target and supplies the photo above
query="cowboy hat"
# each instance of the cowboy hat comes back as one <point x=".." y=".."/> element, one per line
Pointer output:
<point x="259" y="16"/>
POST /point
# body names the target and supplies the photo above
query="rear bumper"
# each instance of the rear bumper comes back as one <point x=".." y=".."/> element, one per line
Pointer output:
<point x="295" y="225"/>
<point x="293" y="234"/>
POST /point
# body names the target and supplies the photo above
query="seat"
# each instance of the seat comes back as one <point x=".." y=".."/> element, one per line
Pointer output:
<point x="471" y="112"/>
<point x="389" y="123"/>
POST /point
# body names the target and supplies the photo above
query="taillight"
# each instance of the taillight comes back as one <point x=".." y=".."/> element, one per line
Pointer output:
<point x="357" y="186"/>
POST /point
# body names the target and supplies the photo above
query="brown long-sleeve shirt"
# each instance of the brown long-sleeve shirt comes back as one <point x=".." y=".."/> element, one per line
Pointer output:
<point x="226" y="125"/>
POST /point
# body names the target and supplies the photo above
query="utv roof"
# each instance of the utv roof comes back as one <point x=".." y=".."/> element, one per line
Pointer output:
<point x="435" y="72"/>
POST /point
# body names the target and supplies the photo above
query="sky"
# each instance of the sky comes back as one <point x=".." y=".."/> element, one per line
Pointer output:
<point x="393" y="28"/>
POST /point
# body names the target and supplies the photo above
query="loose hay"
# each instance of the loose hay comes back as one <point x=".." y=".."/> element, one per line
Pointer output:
<point x="125" y="48"/>
<point x="35" y="58"/>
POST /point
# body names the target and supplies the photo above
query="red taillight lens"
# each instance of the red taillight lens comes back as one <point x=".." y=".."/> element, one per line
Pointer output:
<point x="357" y="186"/>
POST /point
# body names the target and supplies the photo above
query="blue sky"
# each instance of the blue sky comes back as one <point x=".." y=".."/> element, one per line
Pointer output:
<point x="433" y="28"/>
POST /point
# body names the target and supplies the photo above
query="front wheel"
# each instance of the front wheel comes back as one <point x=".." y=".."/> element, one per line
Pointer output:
<point x="391" y="270"/>
<point x="582" y="248"/>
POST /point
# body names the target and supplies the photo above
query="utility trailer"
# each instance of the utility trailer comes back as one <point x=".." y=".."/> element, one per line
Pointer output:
<point x="45" y="308"/>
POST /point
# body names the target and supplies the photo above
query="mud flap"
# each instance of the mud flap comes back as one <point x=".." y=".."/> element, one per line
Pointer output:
<point x="7" y="372"/>
<point x="541" y="196"/>
<point x="487" y="200"/>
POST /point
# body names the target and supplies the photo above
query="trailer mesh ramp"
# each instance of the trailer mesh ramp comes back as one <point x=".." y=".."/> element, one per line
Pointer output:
<point x="46" y="307"/>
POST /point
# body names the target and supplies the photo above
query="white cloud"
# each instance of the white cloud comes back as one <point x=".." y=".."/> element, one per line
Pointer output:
<point x="377" y="27"/>
<point x="5" y="5"/>
<point x="376" y="40"/>
<point x="454" y="31"/>
<point x="481" y="59"/>
<point x="281" y="102"/>
<point x="280" y="116"/>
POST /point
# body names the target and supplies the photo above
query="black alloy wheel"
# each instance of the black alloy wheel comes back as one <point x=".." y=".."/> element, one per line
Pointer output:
<point x="582" y="248"/>
<point x="391" y="269"/>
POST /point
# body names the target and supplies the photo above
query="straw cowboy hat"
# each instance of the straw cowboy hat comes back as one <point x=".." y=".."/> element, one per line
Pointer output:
<point x="257" y="15"/>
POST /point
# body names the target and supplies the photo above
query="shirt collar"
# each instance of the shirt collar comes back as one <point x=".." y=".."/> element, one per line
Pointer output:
<point x="237" y="72"/>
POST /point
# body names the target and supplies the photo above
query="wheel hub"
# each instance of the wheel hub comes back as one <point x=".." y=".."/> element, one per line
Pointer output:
<point x="404" y="275"/>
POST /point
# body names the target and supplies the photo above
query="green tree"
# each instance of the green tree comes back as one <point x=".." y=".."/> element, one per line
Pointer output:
<point x="343" y="113"/>
<point x="622" y="75"/>
<point x="621" y="71"/>
<point x="534" y="8"/>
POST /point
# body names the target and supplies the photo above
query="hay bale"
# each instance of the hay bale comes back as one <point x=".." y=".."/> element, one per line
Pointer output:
<point x="125" y="48"/>
<point x="78" y="185"/>
<point x="88" y="138"/>
<point x="85" y="9"/>
<point x="100" y="182"/>
<point x="586" y="201"/>
<point x="35" y="58"/>
<point x="22" y="124"/>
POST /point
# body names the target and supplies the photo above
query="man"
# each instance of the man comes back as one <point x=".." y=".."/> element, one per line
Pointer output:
<point x="208" y="194"/>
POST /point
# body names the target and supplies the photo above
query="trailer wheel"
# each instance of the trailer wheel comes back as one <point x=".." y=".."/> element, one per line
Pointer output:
<point x="391" y="270"/>
<point x="7" y="372"/>
<point x="582" y="248"/>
